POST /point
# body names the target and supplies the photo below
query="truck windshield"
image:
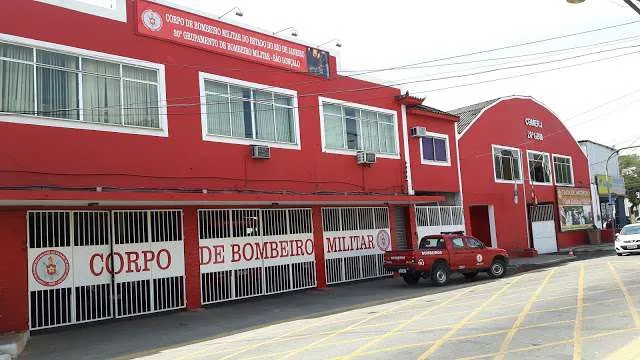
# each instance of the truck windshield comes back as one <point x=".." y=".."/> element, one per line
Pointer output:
<point x="432" y="243"/>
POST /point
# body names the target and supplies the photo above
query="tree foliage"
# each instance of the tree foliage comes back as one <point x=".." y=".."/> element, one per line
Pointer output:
<point x="630" y="168"/>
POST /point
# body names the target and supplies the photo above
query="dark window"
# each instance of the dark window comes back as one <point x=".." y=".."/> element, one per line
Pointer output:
<point x="539" y="168"/>
<point x="507" y="164"/>
<point x="434" y="149"/>
<point x="431" y="243"/>
<point x="474" y="243"/>
<point x="458" y="243"/>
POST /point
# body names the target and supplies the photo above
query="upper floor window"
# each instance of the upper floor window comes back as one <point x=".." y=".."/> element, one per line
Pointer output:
<point x="539" y="167"/>
<point x="563" y="170"/>
<point x="506" y="163"/>
<point x="435" y="149"/>
<point x="352" y="128"/>
<point x="241" y="111"/>
<point x="56" y="85"/>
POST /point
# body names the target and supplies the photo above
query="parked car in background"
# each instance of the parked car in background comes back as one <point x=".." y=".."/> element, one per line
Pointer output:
<point x="628" y="240"/>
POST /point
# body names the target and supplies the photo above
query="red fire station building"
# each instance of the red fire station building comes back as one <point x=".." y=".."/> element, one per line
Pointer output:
<point x="525" y="179"/>
<point x="156" y="159"/>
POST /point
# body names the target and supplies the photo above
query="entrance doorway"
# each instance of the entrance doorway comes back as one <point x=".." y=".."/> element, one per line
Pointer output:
<point x="543" y="228"/>
<point x="483" y="224"/>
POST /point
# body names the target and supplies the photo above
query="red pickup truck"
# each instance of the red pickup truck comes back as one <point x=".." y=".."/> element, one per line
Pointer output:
<point x="438" y="255"/>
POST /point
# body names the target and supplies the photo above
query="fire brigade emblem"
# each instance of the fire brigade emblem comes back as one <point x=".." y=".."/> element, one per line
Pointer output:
<point x="50" y="268"/>
<point x="383" y="240"/>
<point x="479" y="258"/>
<point x="152" y="20"/>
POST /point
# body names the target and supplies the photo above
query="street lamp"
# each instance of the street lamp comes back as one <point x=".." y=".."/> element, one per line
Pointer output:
<point x="237" y="9"/>
<point x="606" y="167"/>
<point x="338" y="43"/>
<point x="628" y="2"/>
<point x="294" y="32"/>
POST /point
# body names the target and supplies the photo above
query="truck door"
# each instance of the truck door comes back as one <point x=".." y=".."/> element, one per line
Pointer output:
<point x="476" y="248"/>
<point x="461" y="256"/>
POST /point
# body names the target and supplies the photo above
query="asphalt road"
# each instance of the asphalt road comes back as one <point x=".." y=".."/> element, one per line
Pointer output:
<point x="584" y="309"/>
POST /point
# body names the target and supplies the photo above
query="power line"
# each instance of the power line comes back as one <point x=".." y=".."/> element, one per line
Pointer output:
<point x="504" y="47"/>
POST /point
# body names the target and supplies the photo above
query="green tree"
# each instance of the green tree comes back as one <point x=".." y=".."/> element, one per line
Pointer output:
<point x="630" y="168"/>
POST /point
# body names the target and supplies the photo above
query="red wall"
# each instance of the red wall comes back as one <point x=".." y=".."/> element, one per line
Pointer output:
<point x="14" y="305"/>
<point x="503" y="124"/>
<point x="82" y="158"/>
<point x="430" y="177"/>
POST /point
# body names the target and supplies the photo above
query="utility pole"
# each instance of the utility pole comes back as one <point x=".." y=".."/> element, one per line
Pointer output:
<point x="613" y="208"/>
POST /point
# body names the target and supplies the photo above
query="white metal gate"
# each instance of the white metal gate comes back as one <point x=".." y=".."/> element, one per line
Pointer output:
<point x="543" y="228"/>
<point x="355" y="239"/>
<point x="433" y="220"/>
<point x="73" y="256"/>
<point x="253" y="252"/>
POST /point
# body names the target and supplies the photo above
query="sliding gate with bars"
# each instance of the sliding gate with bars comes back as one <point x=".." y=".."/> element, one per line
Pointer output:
<point x="355" y="239"/>
<point x="93" y="265"/>
<point x="253" y="252"/>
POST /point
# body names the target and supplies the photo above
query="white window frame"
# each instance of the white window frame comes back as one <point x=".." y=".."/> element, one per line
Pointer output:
<point x="493" y="160"/>
<point x="435" y="162"/>
<point x="243" y="141"/>
<point x="39" y="120"/>
<point x="551" y="177"/>
<point x="349" y="152"/>
<point x="118" y="14"/>
<point x="555" y="178"/>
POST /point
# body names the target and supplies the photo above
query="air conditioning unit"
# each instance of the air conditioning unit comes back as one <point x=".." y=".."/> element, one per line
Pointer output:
<point x="260" y="152"/>
<point x="366" y="158"/>
<point x="418" y="131"/>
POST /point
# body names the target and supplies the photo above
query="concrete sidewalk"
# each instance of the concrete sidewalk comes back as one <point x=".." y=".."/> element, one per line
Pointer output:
<point x="518" y="265"/>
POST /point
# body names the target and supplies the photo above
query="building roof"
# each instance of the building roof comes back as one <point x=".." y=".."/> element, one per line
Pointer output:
<point x="434" y="110"/>
<point x="468" y="113"/>
<point x="596" y="143"/>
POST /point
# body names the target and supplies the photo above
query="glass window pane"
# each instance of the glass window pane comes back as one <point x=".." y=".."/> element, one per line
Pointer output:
<point x="498" y="166"/>
<point x="136" y="73"/>
<point x="370" y="140"/>
<point x="16" y="87"/>
<point x="428" y="152"/>
<point x="263" y="96"/>
<point x="101" y="98"/>
<point x="385" y="118"/>
<point x="57" y="93"/>
<point x="141" y="104"/>
<point x="387" y="138"/>
<point x="331" y="109"/>
<point x="241" y="122"/>
<point x="285" y="126"/>
<point x="218" y="120"/>
<point x="100" y="67"/>
<point x="281" y="99"/>
<point x="265" y="125"/>
<point x="16" y="52"/>
<point x="57" y="59"/>
<point x="333" y="133"/>
<point x="440" y="146"/>
<point x="240" y="92"/>
<point x="351" y="126"/>
<point x="351" y="112"/>
<point x="216" y="87"/>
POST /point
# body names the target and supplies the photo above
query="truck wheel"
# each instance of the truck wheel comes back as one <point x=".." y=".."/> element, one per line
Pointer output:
<point x="439" y="274"/>
<point x="411" y="279"/>
<point x="497" y="269"/>
<point x="470" y="275"/>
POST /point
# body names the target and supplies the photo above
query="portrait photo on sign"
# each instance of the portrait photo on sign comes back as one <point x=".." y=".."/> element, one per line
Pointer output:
<point x="318" y="62"/>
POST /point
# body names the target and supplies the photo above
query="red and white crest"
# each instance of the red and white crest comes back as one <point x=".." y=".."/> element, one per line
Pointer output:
<point x="383" y="240"/>
<point x="152" y="20"/>
<point x="50" y="268"/>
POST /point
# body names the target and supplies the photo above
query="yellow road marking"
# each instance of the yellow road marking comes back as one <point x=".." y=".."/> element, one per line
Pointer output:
<point x="402" y="325"/>
<point x="627" y="296"/>
<point x="523" y="314"/>
<point x="555" y="343"/>
<point x="340" y="331"/>
<point x="577" y="331"/>
<point x="460" y="324"/>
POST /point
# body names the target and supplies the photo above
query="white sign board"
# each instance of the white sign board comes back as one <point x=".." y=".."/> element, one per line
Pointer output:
<point x="339" y="244"/>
